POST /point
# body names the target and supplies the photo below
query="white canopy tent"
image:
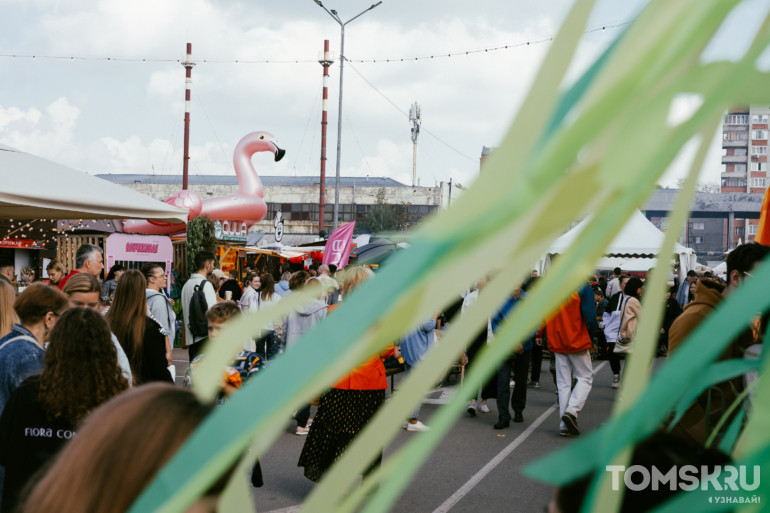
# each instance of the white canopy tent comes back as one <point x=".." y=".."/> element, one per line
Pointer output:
<point x="35" y="188"/>
<point x="637" y="243"/>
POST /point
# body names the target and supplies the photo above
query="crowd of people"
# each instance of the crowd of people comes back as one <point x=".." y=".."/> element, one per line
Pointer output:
<point x="82" y="362"/>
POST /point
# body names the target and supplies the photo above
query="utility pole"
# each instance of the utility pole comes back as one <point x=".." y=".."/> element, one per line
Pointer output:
<point x="326" y="61"/>
<point x="414" y="117"/>
<point x="342" y="24"/>
<point x="188" y="66"/>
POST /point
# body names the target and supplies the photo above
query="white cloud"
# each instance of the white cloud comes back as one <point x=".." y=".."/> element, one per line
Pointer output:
<point x="48" y="135"/>
<point x="13" y="114"/>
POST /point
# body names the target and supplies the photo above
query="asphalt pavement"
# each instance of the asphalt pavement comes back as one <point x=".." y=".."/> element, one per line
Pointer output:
<point x="475" y="469"/>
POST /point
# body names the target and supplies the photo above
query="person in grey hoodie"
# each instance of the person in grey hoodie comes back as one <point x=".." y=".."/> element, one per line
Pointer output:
<point x="296" y="325"/>
<point x="282" y="287"/>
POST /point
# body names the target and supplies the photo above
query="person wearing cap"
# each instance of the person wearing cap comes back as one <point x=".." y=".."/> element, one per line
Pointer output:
<point x="683" y="294"/>
<point x="232" y="286"/>
<point x="219" y="278"/>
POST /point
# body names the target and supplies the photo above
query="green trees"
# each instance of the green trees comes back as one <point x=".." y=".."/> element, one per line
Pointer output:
<point x="200" y="237"/>
<point x="385" y="217"/>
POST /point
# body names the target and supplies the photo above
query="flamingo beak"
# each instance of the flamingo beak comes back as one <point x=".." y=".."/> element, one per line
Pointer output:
<point x="279" y="153"/>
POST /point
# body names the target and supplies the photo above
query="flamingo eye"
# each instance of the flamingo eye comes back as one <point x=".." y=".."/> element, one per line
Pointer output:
<point x="261" y="136"/>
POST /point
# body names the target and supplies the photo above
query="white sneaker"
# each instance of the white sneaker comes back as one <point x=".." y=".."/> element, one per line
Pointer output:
<point x="417" y="426"/>
<point x="404" y="425"/>
<point x="472" y="410"/>
<point x="615" y="380"/>
<point x="483" y="408"/>
<point x="302" y="430"/>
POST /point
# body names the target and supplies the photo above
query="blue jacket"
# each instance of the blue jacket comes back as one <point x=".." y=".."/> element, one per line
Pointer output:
<point x="19" y="359"/>
<point x="502" y="314"/>
<point x="414" y="345"/>
<point x="282" y="288"/>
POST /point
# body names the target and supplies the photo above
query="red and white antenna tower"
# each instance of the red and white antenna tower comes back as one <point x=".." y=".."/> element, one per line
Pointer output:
<point x="325" y="61"/>
<point x="188" y="66"/>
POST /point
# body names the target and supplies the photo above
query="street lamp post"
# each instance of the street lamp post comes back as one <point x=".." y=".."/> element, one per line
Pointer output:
<point x="342" y="24"/>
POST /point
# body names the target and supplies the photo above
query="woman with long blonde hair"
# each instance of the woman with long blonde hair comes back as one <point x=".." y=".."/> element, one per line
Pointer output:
<point x="346" y="408"/>
<point x="141" y="336"/>
<point x="8" y="315"/>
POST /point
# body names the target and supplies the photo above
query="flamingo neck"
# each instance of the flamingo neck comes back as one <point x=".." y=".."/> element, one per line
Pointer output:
<point x="248" y="179"/>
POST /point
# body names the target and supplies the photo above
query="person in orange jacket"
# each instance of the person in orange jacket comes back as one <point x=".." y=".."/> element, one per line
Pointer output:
<point x="570" y="333"/>
<point x="346" y="408"/>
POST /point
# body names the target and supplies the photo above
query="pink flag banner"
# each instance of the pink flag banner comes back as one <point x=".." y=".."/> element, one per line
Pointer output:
<point x="337" y="250"/>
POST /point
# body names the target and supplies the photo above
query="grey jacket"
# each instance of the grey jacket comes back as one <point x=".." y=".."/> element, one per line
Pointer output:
<point x="302" y="320"/>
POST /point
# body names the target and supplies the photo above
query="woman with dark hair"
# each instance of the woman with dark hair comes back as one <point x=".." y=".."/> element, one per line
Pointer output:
<point x="111" y="282"/>
<point x="81" y="372"/>
<point x="83" y="290"/>
<point x="628" y="322"/>
<point x="140" y="335"/>
<point x="22" y="350"/>
<point x="118" y="452"/>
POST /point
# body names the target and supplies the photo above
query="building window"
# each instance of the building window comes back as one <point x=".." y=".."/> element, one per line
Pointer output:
<point x="752" y="229"/>
<point x="698" y="240"/>
<point x="759" y="134"/>
<point x="759" y="118"/>
<point x="733" y="182"/>
<point x="759" y="166"/>
<point x="757" y="182"/>
<point x="737" y="119"/>
<point x="735" y="136"/>
<point x="698" y="226"/>
<point x="759" y="150"/>
<point x="739" y="231"/>
<point x="740" y="152"/>
<point x="739" y="168"/>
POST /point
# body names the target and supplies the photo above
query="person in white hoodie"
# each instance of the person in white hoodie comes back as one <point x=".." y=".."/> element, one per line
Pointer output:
<point x="296" y="325"/>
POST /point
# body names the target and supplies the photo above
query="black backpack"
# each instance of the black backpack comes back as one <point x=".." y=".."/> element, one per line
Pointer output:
<point x="197" y="322"/>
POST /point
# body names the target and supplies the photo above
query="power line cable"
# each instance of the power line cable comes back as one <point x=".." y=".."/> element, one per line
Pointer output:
<point x="406" y="115"/>
<point x="437" y="55"/>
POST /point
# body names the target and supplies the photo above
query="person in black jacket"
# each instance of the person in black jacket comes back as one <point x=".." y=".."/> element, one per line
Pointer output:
<point x="233" y="286"/>
<point x="673" y="310"/>
<point x="141" y="336"/>
<point x="81" y="372"/>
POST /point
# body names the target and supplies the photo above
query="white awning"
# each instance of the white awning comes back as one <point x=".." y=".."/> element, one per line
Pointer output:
<point x="35" y="188"/>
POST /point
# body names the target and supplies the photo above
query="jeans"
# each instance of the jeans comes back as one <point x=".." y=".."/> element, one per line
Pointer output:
<point x="267" y="346"/>
<point x="520" y="365"/>
<point x="572" y="400"/>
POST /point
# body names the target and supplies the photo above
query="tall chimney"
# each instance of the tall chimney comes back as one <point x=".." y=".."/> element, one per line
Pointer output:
<point x="188" y="66"/>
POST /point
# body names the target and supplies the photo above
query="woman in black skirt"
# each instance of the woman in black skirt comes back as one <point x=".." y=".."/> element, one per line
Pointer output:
<point x="347" y="407"/>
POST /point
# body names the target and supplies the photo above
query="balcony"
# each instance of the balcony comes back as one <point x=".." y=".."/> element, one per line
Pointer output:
<point x="735" y="159"/>
<point x="735" y="144"/>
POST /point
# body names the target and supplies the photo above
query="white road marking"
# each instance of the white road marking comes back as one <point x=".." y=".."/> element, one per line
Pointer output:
<point x="486" y="469"/>
<point x="290" y="509"/>
<point x="481" y="474"/>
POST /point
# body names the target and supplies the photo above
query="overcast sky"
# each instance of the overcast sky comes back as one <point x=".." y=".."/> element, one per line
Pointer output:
<point x="117" y="116"/>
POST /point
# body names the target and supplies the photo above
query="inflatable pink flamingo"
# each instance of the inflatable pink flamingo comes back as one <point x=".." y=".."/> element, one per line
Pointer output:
<point x="246" y="206"/>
